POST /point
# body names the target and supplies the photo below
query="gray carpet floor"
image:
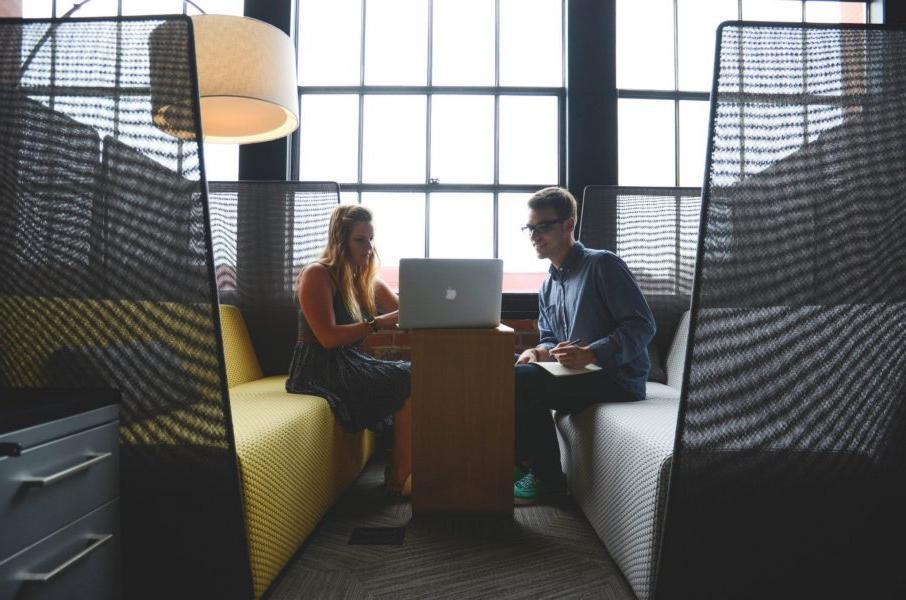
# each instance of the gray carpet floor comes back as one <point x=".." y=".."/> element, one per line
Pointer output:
<point x="542" y="552"/>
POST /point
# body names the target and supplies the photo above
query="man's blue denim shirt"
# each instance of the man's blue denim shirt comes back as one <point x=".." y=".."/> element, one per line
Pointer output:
<point x="594" y="298"/>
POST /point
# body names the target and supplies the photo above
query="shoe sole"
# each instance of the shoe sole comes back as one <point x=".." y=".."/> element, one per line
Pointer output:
<point x="550" y="499"/>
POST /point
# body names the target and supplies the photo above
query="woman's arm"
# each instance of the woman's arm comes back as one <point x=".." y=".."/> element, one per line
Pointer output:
<point x="386" y="300"/>
<point x="388" y="304"/>
<point x="316" y="290"/>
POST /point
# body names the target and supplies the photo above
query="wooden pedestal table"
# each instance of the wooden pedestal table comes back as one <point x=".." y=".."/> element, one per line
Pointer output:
<point x="462" y="420"/>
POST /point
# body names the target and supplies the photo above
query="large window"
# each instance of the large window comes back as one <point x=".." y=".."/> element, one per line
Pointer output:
<point x="442" y="116"/>
<point x="665" y="59"/>
<point x="221" y="160"/>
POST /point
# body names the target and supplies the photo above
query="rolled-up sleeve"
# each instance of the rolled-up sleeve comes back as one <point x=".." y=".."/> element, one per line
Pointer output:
<point x="635" y="323"/>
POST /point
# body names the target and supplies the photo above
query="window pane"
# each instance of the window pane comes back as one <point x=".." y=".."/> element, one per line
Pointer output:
<point x="330" y="42"/>
<point x="772" y="10"/>
<point x="218" y="7"/>
<point x="349" y="197"/>
<point x="834" y="12"/>
<point x="523" y="270"/>
<point x="455" y="62"/>
<point x="399" y="225"/>
<point x="221" y="162"/>
<point x="697" y="23"/>
<point x="693" y="141"/>
<point x="531" y="46"/>
<point x="34" y="9"/>
<point x="396" y="42"/>
<point x="462" y="139"/>
<point x="95" y="8"/>
<point x="155" y="7"/>
<point x="646" y="138"/>
<point x="328" y="138"/>
<point x="645" y="44"/>
<point x="461" y="226"/>
<point x="393" y="148"/>
<point x="528" y="139"/>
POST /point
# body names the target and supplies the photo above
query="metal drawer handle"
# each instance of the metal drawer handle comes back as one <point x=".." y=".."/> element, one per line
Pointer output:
<point x="99" y="540"/>
<point x="69" y="472"/>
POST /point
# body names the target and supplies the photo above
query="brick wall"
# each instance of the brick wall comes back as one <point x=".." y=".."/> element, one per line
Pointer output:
<point x="394" y="345"/>
<point x="11" y="8"/>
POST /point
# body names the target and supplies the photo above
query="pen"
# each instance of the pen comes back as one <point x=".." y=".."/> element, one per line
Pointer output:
<point x="571" y="343"/>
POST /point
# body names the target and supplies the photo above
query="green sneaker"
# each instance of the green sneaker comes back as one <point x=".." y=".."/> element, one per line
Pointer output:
<point x="531" y="490"/>
<point x="518" y="473"/>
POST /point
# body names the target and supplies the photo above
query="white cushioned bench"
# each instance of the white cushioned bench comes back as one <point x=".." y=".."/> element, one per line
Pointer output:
<point x="617" y="459"/>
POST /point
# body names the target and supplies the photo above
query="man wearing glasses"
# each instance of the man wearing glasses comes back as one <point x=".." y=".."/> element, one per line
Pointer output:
<point x="590" y="312"/>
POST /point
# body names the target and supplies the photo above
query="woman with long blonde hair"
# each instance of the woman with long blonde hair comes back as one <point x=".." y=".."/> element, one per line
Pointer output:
<point x="342" y="302"/>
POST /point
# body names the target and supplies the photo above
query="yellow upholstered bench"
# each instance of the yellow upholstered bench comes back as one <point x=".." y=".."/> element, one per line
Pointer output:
<point x="294" y="458"/>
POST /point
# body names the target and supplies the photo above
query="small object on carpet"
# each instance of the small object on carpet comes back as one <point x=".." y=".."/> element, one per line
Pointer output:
<point x="378" y="536"/>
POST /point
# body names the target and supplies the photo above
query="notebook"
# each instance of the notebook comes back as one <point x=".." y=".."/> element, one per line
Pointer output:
<point x="450" y="292"/>
<point x="558" y="370"/>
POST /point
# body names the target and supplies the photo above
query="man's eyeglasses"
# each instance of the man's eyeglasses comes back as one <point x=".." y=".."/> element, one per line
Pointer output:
<point x="540" y="226"/>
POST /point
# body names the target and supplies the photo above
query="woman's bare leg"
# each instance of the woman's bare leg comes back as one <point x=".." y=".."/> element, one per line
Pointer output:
<point x="401" y="459"/>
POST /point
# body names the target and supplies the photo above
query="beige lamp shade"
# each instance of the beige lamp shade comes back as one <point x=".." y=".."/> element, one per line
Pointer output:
<point x="246" y="83"/>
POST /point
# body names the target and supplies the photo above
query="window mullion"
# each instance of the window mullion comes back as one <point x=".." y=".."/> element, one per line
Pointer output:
<point x="676" y="104"/>
<point x="428" y="101"/>
<point x="360" y="148"/>
<point x="496" y="241"/>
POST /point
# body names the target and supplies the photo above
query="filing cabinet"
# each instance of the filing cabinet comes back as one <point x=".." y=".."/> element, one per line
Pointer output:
<point x="59" y="495"/>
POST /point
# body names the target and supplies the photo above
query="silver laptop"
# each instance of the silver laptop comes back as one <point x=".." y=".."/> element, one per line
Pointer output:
<point x="450" y="292"/>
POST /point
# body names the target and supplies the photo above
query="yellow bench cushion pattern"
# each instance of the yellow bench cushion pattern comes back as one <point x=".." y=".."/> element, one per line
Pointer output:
<point x="33" y="329"/>
<point x="242" y="363"/>
<point x="294" y="461"/>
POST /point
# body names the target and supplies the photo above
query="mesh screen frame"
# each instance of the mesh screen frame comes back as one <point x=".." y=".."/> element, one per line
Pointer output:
<point x="120" y="291"/>
<point x="780" y="487"/>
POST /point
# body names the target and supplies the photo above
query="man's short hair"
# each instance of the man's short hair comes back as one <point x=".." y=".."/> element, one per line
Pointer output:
<point x="556" y="198"/>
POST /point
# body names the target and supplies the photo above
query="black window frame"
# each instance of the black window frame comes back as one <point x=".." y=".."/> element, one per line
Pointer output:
<point x="678" y="95"/>
<point x="591" y="97"/>
<point x="429" y="186"/>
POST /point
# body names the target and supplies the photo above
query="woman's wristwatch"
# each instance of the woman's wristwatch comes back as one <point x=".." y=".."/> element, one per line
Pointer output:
<point x="372" y="325"/>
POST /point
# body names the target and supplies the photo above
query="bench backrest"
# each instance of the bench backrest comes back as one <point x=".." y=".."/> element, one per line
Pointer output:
<point x="655" y="231"/>
<point x="238" y="353"/>
<point x="263" y="232"/>
<point x="676" y="357"/>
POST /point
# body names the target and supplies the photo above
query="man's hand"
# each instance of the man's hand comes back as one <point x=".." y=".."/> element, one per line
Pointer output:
<point x="573" y="357"/>
<point x="532" y="355"/>
<point x="528" y="356"/>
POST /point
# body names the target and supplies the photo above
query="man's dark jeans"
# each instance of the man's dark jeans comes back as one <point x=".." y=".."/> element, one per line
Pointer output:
<point x="537" y="393"/>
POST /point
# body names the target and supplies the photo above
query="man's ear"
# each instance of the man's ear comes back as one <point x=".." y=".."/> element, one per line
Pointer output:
<point x="570" y="225"/>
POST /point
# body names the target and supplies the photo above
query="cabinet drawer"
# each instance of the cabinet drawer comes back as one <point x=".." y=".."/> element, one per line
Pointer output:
<point x="53" y="484"/>
<point x="77" y="562"/>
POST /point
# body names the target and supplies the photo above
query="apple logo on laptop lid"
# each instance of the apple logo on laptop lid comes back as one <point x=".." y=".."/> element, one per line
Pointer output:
<point x="451" y="294"/>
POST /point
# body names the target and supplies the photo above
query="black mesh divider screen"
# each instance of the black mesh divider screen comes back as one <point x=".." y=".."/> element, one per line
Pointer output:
<point x="655" y="230"/>
<point x="789" y="475"/>
<point x="107" y="280"/>
<point x="263" y="233"/>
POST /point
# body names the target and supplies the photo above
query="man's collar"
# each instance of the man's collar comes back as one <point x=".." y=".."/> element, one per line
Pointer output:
<point x="569" y="263"/>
